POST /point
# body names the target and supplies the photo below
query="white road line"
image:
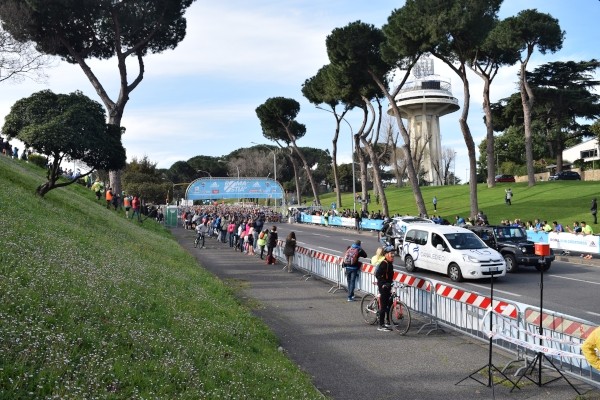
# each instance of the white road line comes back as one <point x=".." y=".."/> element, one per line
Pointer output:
<point x="573" y="279"/>
<point x="593" y="313"/>
<point x="496" y="290"/>
<point x="325" y="248"/>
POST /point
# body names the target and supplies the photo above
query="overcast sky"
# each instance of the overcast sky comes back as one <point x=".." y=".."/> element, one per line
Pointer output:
<point x="200" y="98"/>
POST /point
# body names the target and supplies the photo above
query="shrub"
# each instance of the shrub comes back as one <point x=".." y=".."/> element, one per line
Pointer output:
<point x="38" y="160"/>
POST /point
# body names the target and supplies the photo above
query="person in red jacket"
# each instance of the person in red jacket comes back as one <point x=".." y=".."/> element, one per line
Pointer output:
<point x="135" y="206"/>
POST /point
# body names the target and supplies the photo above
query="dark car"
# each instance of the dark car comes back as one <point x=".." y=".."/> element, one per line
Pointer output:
<point x="565" y="176"/>
<point x="504" y="178"/>
<point x="512" y="243"/>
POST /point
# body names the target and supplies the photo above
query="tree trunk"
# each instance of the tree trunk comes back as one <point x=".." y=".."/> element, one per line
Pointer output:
<point x="362" y="162"/>
<point x="336" y="178"/>
<point x="491" y="166"/>
<point x="464" y="127"/>
<point x="306" y="169"/>
<point x="527" y="102"/>
<point x="296" y="177"/>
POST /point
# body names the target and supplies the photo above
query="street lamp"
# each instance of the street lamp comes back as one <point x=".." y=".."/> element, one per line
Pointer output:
<point x="274" y="158"/>
<point x="206" y="172"/>
<point x="229" y="162"/>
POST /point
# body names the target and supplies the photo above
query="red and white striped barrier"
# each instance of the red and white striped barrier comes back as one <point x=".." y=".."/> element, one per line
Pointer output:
<point x="413" y="281"/>
<point x="476" y="300"/>
<point x="559" y="324"/>
<point x="326" y="257"/>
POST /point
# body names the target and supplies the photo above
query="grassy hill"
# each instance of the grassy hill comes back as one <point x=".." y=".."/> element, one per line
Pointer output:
<point x="563" y="201"/>
<point x="96" y="306"/>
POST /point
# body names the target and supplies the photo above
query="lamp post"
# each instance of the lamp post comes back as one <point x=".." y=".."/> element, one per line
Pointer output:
<point x="274" y="158"/>
<point x="178" y="184"/>
<point x="206" y="172"/>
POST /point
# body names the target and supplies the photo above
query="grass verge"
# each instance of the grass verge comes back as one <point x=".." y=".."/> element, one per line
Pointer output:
<point x="94" y="306"/>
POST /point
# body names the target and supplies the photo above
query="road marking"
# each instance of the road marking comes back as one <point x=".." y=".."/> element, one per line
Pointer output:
<point x="593" y="313"/>
<point x="574" y="279"/>
<point x="325" y="248"/>
<point x="496" y="290"/>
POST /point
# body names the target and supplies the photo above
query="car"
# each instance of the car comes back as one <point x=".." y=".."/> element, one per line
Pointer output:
<point x="450" y="250"/>
<point x="512" y="243"/>
<point x="565" y="176"/>
<point x="504" y="178"/>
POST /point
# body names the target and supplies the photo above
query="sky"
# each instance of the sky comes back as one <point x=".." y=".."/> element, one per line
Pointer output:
<point x="200" y="98"/>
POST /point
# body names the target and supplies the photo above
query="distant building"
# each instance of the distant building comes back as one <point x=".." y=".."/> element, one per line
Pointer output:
<point x="587" y="151"/>
<point x="422" y="102"/>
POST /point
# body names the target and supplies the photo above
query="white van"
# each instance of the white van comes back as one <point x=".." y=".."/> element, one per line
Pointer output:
<point x="451" y="250"/>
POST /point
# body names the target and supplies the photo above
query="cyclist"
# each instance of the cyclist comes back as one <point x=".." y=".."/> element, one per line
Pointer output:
<point x="385" y="276"/>
<point x="201" y="230"/>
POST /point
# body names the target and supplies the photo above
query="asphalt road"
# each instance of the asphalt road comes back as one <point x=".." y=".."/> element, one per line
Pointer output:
<point x="571" y="286"/>
<point x="348" y="359"/>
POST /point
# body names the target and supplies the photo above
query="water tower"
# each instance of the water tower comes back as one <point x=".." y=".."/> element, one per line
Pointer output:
<point x="422" y="102"/>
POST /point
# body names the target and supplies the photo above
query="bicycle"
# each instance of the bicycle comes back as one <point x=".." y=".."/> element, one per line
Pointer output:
<point x="399" y="313"/>
<point x="197" y="240"/>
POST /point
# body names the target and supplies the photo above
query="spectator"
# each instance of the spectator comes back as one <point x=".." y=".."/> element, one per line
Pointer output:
<point x="586" y="229"/>
<point x="460" y="221"/>
<point x="590" y="348"/>
<point x="262" y="242"/>
<point x="271" y="244"/>
<point x="435" y="201"/>
<point x="594" y="210"/>
<point x="290" y="249"/>
<point x="109" y="197"/>
<point x="135" y="206"/>
<point x="576" y="228"/>
<point x="508" y="196"/>
<point x="558" y="228"/>
<point x="384" y="273"/>
<point x="357" y="220"/>
<point x="378" y="256"/>
<point x="352" y="267"/>
<point x="546" y="227"/>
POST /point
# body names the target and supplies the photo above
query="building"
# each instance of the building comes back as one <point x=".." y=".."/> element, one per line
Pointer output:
<point x="422" y="102"/>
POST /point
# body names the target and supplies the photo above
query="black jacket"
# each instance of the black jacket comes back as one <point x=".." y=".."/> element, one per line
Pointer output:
<point x="384" y="272"/>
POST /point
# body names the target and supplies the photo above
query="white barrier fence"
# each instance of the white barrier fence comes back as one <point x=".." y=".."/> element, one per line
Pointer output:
<point x="512" y="326"/>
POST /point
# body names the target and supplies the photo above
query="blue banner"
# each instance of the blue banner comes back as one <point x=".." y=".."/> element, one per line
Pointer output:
<point x="537" y="237"/>
<point x="231" y="188"/>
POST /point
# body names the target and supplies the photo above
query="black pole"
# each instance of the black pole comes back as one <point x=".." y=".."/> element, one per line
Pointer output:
<point x="538" y="359"/>
<point x="490" y="366"/>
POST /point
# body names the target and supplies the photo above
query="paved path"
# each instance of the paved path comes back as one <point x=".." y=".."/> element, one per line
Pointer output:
<point x="347" y="359"/>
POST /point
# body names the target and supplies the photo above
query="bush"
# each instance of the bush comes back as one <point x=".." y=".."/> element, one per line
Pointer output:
<point x="38" y="160"/>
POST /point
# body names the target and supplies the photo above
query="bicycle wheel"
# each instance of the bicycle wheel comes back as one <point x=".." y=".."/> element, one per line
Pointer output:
<point x="369" y="307"/>
<point x="400" y="316"/>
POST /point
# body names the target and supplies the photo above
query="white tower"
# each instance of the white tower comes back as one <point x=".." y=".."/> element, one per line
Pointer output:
<point x="422" y="102"/>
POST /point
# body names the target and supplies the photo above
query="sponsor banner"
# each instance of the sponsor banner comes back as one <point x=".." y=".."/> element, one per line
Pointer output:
<point x="228" y="188"/>
<point x="569" y="241"/>
<point x="373" y="224"/>
<point x="537" y="237"/>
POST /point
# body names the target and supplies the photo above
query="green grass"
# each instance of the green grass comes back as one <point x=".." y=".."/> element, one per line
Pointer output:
<point x="96" y="306"/>
<point x="562" y="201"/>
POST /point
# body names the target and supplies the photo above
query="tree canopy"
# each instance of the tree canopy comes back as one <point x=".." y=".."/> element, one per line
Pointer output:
<point x="78" y="31"/>
<point x="70" y="126"/>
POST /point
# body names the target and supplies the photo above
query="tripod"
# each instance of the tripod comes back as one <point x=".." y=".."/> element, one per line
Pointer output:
<point x="489" y="366"/>
<point x="540" y="357"/>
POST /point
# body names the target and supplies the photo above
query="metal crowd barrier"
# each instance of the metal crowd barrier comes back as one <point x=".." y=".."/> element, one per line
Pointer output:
<point x="512" y="326"/>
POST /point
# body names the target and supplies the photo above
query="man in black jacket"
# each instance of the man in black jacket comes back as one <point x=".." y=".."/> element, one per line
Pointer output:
<point x="385" y="276"/>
